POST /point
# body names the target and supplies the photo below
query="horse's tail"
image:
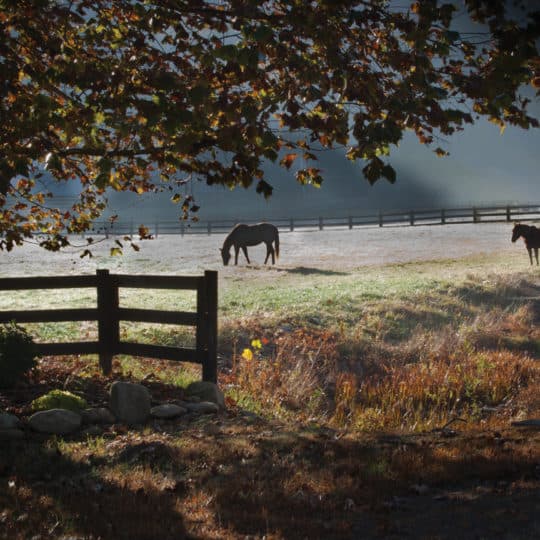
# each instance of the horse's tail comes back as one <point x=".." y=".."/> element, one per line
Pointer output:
<point x="276" y="241"/>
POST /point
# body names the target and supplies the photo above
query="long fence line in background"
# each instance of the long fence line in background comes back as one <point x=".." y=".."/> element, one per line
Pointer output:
<point x="108" y="315"/>
<point x="441" y="216"/>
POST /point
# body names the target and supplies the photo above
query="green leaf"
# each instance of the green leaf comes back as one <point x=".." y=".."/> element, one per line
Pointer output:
<point x="198" y="94"/>
<point x="265" y="188"/>
<point x="389" y="173"/>
<point x="263" y="34"/>
<point x="227" y="52"/>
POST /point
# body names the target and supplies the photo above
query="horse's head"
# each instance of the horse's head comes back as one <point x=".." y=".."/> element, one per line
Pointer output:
<point x="517" y="231"/>
<point x="226" y="256"/>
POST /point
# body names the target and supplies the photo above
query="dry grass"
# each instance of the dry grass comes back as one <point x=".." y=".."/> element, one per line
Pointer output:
<point x="394" y="371"/>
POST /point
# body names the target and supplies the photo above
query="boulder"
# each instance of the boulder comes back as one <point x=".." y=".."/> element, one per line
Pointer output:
<point x="203" y="407"/>
<point x="167" y="410"/>
<point x="11" y="434"/>
<point x="56" y="421"/>
<point x="98" y="415"/>
<point x="130" y="402"/>
<point x="206" y="391"/>
<point x="9" y="421"/>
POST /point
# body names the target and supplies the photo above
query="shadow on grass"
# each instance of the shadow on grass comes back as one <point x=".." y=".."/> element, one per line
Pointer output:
<point x="50" y="495"/>
<point x="46" y="493"/>
<point x="455" y="306"/>
<point x="306" y="271"/>
<point x="305" y="486"/>
<point x="250" y="477"/>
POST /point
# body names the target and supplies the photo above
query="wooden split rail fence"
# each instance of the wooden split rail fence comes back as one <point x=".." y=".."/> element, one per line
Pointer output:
<point x="442" y="216"/>
<point x="108" y="315"/>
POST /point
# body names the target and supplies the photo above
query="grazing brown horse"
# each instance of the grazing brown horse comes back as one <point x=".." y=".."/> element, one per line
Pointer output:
<point x="243" y="236"/>
<point x="531" y="235"/>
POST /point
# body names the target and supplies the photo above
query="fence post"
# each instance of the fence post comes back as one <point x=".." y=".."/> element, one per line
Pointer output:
<point x="209" y="228"/>
<point x="411" y="218"/>
<point x="508" y="214"/>
<point x="443" y="216"/>
<point x="291" y="224"/>
<point x="108" y="325"/>
<point x="380" y="219"/>
<point x="157" y="229"/>
<point x="182" y="228"/>
<point x="350" y="222"/>
<point x="475" y="214"/>
<point x="320" y="224"/>
<point x="206" y="332"/>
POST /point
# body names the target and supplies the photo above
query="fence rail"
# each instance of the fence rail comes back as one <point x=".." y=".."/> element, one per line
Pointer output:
<point x="109" y="314"/>
<point x="473" y="214"/>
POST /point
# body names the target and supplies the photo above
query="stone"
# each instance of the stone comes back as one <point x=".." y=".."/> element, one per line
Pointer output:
<point x="206" y="391"/>
<point x="130" y="402"/>
<point x="204" y="407"/>
<point x="98" y="415"/>
<point x="9" y="421"/>
<point x="167" y="410"/>
<point x="93" y="431"/>
<point x="56" y="421"/>
<point x="531" y="422"/>
<point x="11" y="434"/>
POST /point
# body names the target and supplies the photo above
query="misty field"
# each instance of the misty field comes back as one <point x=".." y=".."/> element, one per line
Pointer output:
<point x="305" y="250"/>
<point x="373" y="381"/>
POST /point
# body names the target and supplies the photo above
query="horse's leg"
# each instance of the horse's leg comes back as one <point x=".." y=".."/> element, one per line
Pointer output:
<point x="236" y="250"/>
<point x="273" y="253"/>
<point x="244" y="249"/>
<point x="530" y="254"/>
<point x="536" y="255"/>
<point x="268" y="251"/>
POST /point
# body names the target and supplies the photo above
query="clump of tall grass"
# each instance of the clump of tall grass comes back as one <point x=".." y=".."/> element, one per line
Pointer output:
<point x="423" y="383"/>
<point x="291" y="379"/>
<point x="430" y="393"/>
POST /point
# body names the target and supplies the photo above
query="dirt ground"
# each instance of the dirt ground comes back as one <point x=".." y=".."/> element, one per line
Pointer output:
<point x="330" y="249"/>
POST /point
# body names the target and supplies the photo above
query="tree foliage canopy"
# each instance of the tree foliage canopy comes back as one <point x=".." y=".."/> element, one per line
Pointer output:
<point x="127" y="95"/>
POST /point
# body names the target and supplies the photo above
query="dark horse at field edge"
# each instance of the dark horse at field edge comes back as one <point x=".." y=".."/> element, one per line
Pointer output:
<point x="531" y="235"/>
<point x="244" y="235"/>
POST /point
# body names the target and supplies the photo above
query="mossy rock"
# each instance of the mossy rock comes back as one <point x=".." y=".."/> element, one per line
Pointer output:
<point x="59" y="399"/>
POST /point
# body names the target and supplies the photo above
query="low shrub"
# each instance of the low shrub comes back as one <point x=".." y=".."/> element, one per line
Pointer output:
<point x="17" y="353"/>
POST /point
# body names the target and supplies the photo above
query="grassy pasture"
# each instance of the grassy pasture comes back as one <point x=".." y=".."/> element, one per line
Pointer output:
<point x="358" y="400"/>
<point x="361" y="333"/>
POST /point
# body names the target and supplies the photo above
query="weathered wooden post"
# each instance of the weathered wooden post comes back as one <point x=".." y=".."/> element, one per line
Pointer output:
<point x="108" y="324"/>
<point x="206" y="332"/>
<point x="291" y="224"/>
<point x="350" y="222"/>
<point x="321" y="225"/>
<point x="443" y="216"/>
<point x="411" y="218"/>
<point x="380" y="219"/>
<point x="508" y="214"/>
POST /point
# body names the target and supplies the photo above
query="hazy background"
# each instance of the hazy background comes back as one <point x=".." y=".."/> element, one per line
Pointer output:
<point x="484" y="167"/>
